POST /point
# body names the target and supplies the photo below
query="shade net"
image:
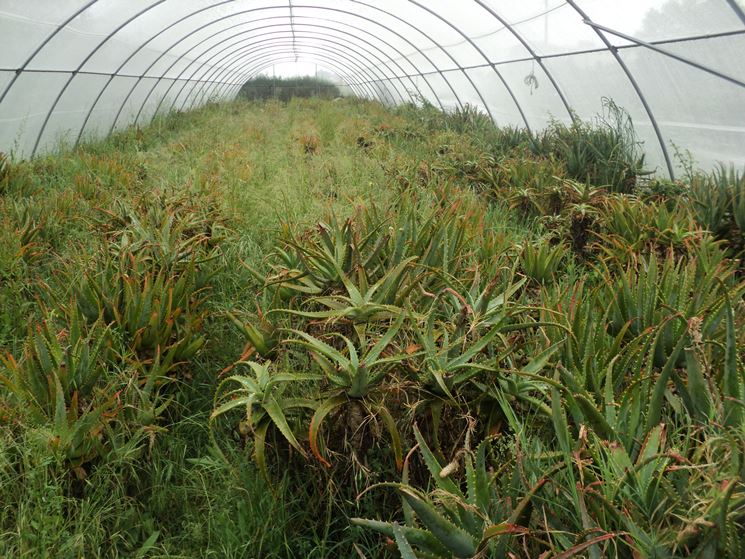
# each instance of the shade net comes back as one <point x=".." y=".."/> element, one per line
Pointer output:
<point x="80" y="69"/>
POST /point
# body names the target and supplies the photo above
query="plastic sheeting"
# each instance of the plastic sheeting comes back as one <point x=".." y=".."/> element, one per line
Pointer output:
<point x="76" y="69"/>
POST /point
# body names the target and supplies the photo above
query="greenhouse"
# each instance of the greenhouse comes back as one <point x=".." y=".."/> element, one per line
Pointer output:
<point x="372" y="278"/>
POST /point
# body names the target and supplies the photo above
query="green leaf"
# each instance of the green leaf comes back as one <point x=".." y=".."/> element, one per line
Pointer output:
<point x="539" y="362"/>
<point x="457" y="540"/>
<point x="560" y="423"/>
<point x="421" y="539"/>
<point x="731" y="381"/>
<point x="278" y="417"/>
<point x="378" y="348"/>
<point x="434" y="466"/>
<point x="326" y="407"/>
<point x="698" y="388"/>
<point x="390" y="425"/>
<point x="403" y="545"/>
<point x="655" y="405"/>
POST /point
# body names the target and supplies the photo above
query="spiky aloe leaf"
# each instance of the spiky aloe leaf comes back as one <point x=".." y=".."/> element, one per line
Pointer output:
<point x="260" y="448"/>
<point x="647" y="464"/>
<point x="390" y="425"/>
<point x="434" y="466"/>
<point x="275" y="411"/>
<point x="561" y="428"/>
<point x="655" y="405"/>
<point x="325" y="408"/>
<point x="596" y="420"/>
<point x="421" y="539"/>
<point x="731" y="379"/>
<point x="403" y="545"/>
<point x="385" y="341"/>
<point x="575" y="550"/>
<point x="455" y="539"/>
<point x="698" y="388"/>
<point x="539" y="362"/>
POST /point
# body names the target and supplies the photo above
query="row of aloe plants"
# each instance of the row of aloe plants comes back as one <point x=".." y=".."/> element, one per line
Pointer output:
<point x="94" y="371"/>
<point x="522" y="399"/>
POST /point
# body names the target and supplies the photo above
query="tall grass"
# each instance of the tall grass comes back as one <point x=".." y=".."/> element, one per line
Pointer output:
<point x="325" y="329"/>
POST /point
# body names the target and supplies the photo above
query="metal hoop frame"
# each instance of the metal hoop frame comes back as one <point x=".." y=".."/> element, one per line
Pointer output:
<point x="215" y="65"/>
<point x="355" y="65"/>
<point x="374" y="69"/>
<point x="233" y="72"/>
<point x="246" y="12"/>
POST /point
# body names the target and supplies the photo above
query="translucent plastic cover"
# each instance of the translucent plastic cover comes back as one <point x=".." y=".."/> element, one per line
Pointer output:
<point x="83" y="68"/>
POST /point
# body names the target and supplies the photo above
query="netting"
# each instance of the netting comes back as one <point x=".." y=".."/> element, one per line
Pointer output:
<point x="85" y="68"/>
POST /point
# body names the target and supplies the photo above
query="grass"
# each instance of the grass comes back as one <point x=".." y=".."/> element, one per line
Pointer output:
<point x="327" y="329"/>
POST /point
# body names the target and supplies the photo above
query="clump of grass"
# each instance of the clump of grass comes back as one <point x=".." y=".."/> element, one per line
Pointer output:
<point x="603" y="153"/>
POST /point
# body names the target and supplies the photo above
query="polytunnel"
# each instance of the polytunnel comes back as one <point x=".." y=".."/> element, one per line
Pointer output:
<point x="76" y="69"/>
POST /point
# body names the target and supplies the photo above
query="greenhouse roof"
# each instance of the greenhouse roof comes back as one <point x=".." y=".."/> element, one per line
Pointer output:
<point x="74" y="69"/>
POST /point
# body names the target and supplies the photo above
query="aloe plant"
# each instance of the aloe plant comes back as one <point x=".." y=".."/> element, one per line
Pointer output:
<point x="447" y="365"/>
<point x="261" y="395"/>
<point x="153" y="307"/>
<point x="261" y="334"/>
<point x="5" y="173"/>
<point x="56" y="384"/>
<point x="465" y="524"/>
<point x="365" y="303"/>
<point x="650" y="291"/>
<point x="353" y="375"/>
<point x="605" y="153"/>
<point x="541" y="261"/>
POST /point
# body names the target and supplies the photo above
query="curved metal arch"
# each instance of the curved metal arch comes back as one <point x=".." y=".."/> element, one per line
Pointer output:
<point x="737" y="9"/>
<point x="261" y="66"/>
<point x="200" y="87"/>
<point x="445" y="51"/>
<point x="215" y="69"/>
<point x="244" y="12"/>
<point x="279" y="41"/>
<point x="247" y="73"/>
<point x="614" y="51"/>
<point x="134" y="53"/>
<point x="306" y="57"/>
<point x="262" y="53"/>
<point x="535" y="56"/>
<point x="351" y="64"/>
<point x="330" y="60"/>
<point x="486" y="58"/>
<point x="41" y="46"/>
<point x="83" y="63"/>
<point x="227" y="88"/>
<point x="321" y="60"/>
<point x="314" y="26"/>
<point x="269" y="52"/>
<point x="223" y="69"/>
<point x="417" y="49"/>
<point x="396" y="50"/>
